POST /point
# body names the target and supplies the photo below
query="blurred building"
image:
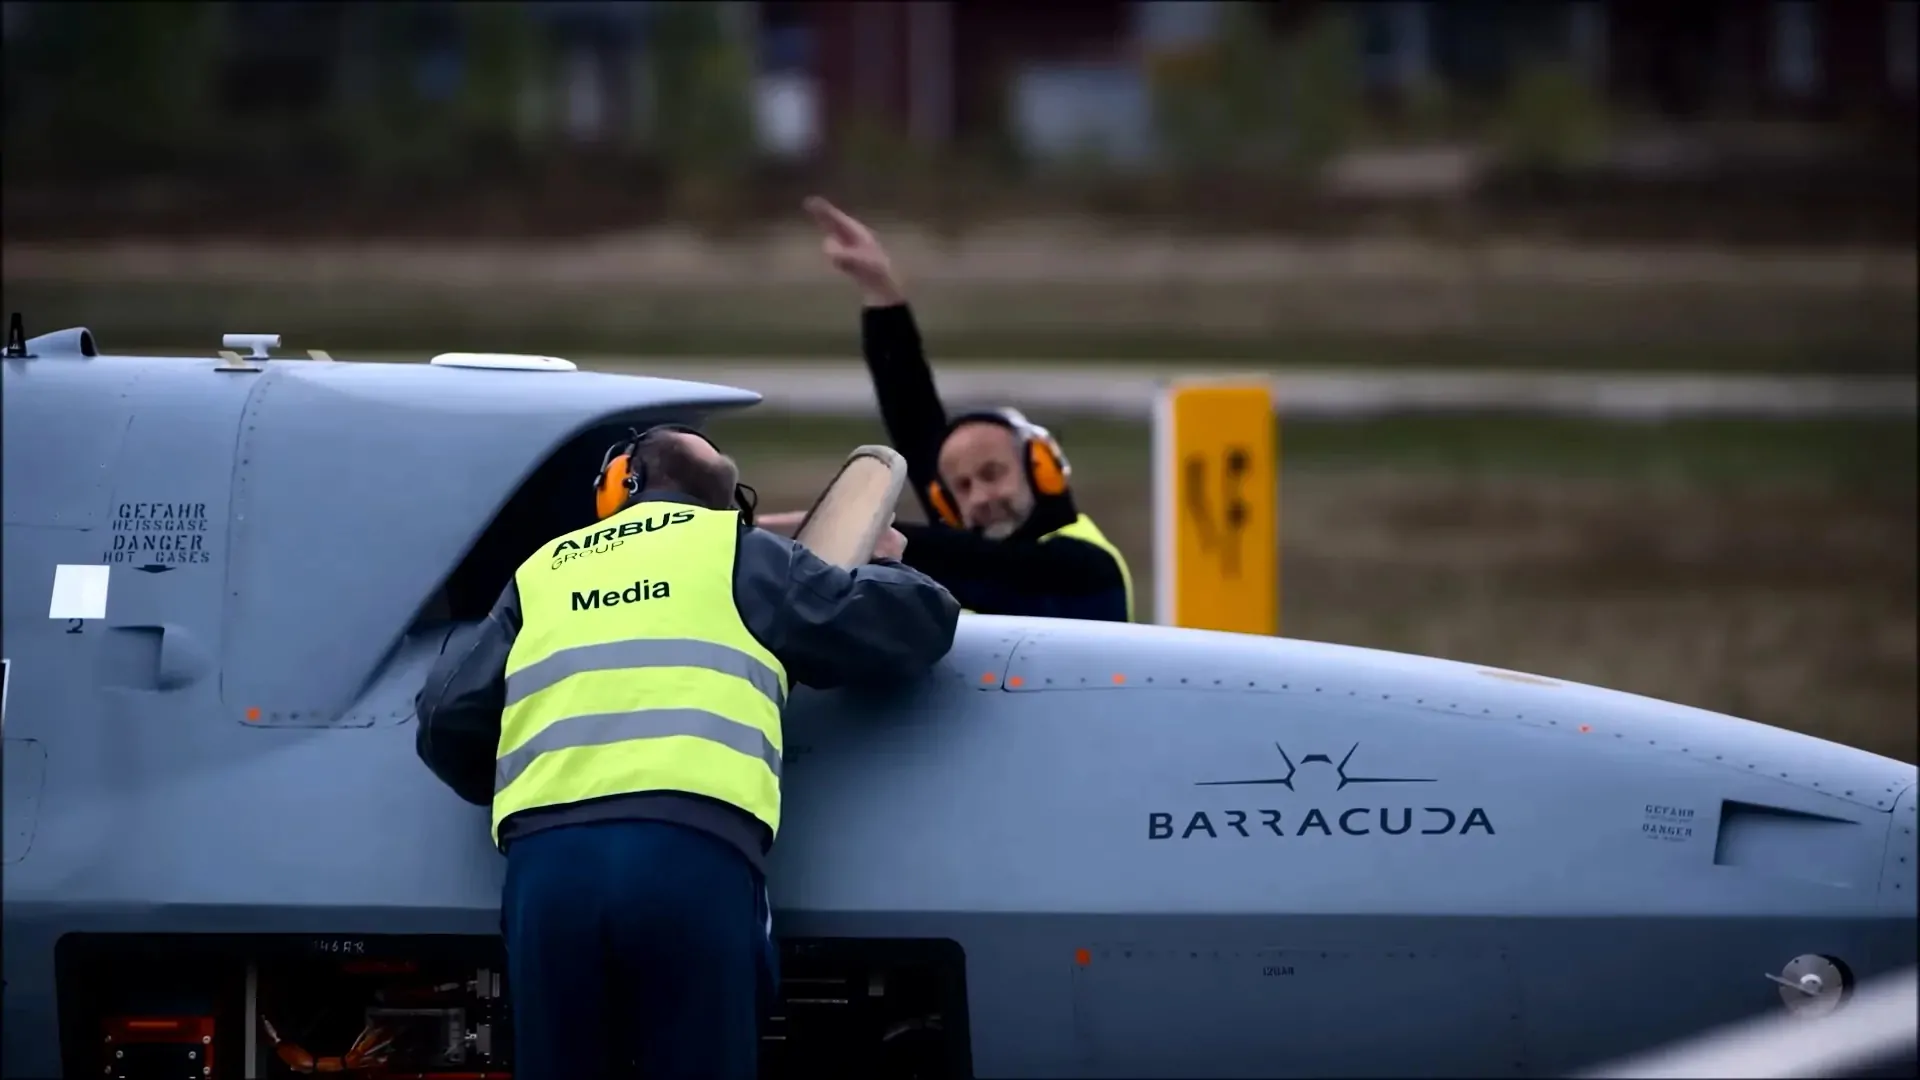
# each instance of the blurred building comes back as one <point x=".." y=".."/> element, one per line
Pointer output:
<point x="1074" y="69"/>
<point x="1064" y="73"/>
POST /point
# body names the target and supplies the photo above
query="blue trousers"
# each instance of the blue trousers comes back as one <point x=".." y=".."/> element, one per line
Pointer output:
<point x="634" y="948"/>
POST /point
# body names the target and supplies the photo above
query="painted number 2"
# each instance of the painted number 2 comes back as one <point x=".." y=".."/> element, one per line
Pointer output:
<point x="73" y="625"/>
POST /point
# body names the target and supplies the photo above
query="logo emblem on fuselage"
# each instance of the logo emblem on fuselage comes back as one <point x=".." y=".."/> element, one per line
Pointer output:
<point x="1371" y="819"/>
<point x="1293" y="770"/>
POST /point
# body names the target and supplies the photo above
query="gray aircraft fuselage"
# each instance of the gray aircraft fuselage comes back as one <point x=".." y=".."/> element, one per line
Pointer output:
<point x="1151" y="851"/>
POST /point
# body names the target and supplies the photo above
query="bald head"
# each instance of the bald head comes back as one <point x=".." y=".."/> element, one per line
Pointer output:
<point x="683" y="462"/>
<point x="980" y="465"/>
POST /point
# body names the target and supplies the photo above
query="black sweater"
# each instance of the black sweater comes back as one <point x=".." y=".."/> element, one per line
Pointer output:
<point x="1063" y="577"/>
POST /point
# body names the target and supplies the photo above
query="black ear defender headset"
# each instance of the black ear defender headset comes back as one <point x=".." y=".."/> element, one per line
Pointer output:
<point x="1047" y="468"/>
<point x="623" y="475"/>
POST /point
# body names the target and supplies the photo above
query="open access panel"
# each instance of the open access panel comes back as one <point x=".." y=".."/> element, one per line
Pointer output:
<point x="134" y="1006"/>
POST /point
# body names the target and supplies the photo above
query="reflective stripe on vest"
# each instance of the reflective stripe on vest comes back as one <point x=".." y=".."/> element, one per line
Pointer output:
<point x="1083" y="528"/>
<point x="633" y="671"/>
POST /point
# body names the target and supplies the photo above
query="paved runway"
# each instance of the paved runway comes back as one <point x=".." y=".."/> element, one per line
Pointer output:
<point x="831" y="388"/>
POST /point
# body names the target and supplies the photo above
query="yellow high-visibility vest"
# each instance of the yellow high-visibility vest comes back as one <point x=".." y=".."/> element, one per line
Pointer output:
<point x="633" y="670"/>
<point x="1083" y="528"/>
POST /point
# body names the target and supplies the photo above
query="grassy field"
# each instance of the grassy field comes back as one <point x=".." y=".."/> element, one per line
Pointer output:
<point x="1247" y="325"/>
<point x="1762" y="569"/>
<point x="1034" y="293"/>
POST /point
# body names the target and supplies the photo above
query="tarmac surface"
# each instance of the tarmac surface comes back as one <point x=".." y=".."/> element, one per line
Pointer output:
<point x="837" y="388"/>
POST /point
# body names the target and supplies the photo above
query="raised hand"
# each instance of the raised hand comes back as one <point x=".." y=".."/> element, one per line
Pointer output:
<point x="852" y="249"/>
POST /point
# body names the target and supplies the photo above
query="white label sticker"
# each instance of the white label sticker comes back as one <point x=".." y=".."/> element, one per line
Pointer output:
<point x="6" y="680"/>
<point x="79" y="591"/>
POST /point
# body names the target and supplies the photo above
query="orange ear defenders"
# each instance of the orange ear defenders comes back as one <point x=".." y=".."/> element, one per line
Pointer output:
<point x="615" y="483"/>
<point x="623" y="475"/>
<point x="1048" y="470"/>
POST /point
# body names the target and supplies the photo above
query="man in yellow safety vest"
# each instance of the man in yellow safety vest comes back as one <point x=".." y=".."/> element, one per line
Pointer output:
<point x="620" y="710"/>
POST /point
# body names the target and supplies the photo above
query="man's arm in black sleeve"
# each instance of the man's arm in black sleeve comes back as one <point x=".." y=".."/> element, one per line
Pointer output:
<point x="878" y="623"/>
<point x="903" y="386"/>
<point x="1063" y="564"/>
<point x="459" y="707"/>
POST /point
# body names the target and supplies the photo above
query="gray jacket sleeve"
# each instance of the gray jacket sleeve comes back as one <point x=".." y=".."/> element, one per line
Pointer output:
<point x="459" y="706"/>
<point x="878" y="623"/>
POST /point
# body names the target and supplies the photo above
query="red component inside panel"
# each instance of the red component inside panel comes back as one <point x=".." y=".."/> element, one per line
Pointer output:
<point x="134" y="1039"/>
<point x="160" y="1029"/>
